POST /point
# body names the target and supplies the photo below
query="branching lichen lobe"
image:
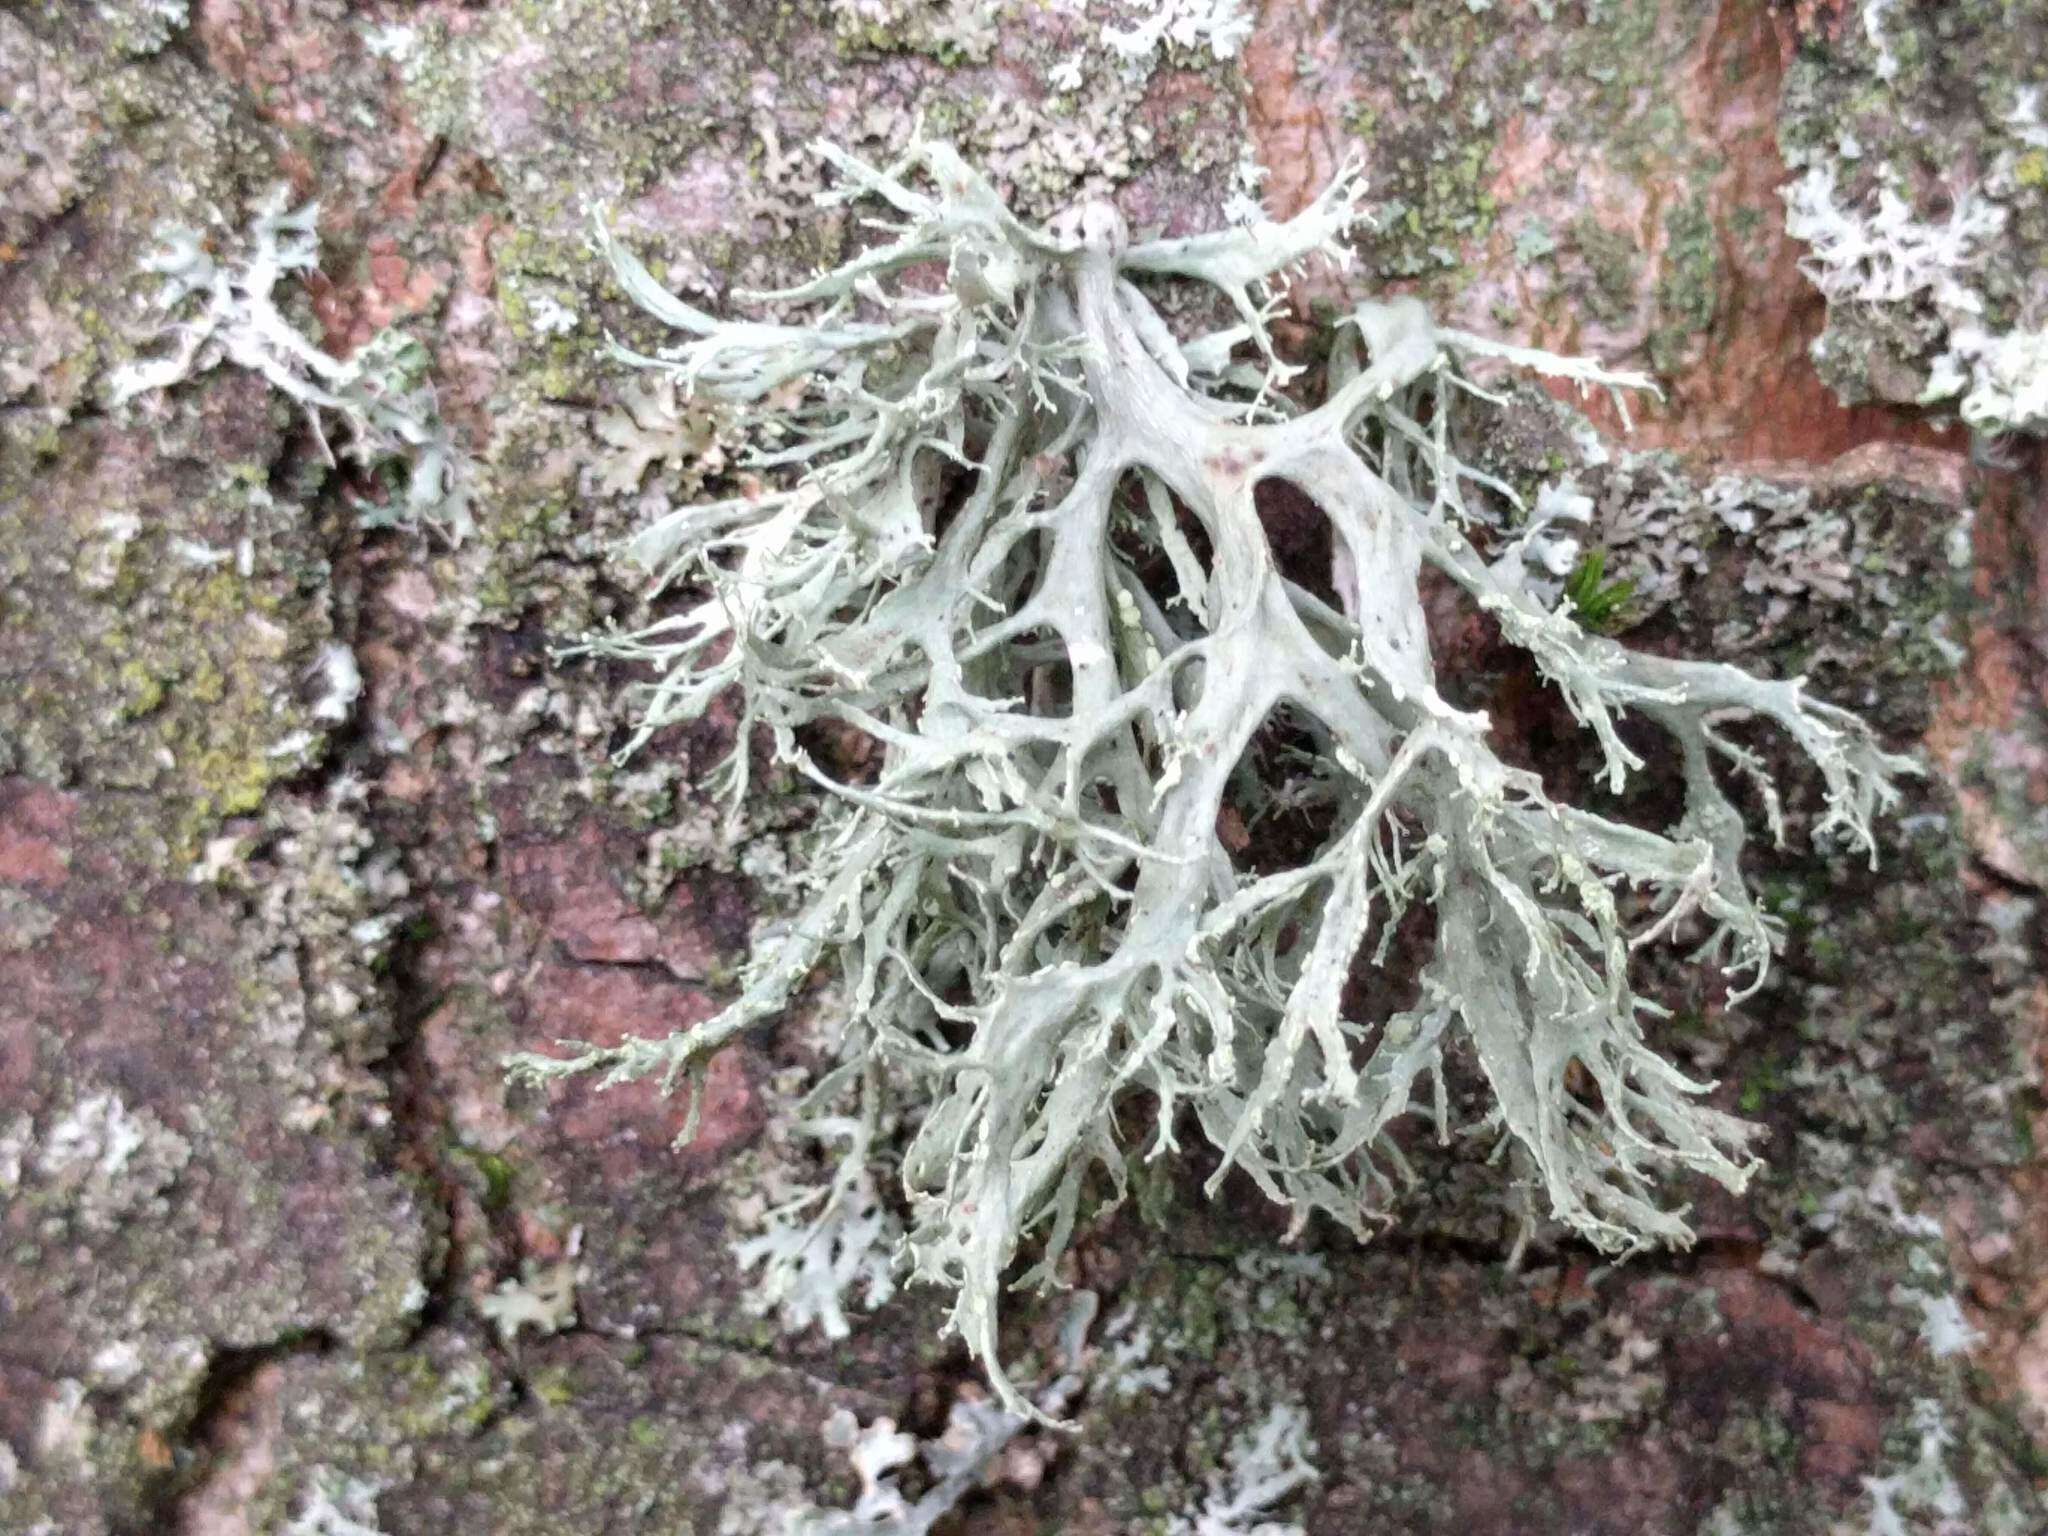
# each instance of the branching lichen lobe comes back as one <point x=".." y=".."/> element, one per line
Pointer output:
<point x="1035" y="910"/>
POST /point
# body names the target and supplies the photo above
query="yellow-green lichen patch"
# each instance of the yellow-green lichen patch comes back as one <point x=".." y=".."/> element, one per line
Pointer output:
<point x="687" y="1438"/>
<point x="1688" y="287"/>
<point x="164" y="625"/>
<point x="1435" y="86"/>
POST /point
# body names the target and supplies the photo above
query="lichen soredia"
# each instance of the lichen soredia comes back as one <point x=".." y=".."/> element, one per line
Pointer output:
<point x="1003" y="522"/>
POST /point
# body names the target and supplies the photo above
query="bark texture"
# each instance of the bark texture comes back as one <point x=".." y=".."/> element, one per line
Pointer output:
<point x="268" y="1212"/>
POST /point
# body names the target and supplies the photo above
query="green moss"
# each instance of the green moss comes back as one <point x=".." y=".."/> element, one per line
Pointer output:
<point x="1689" y="287"/>
<point x="1610" y="261"/>
<point x="497" y="1173"/>
<point x="1828" y="953"/>
<point x="553" y="1385"/>
<point x="144" y="690"/>
<point x="1152" y="1193"/>
<point x="1200" y="1318"/>
<point x="1601" y="605"/>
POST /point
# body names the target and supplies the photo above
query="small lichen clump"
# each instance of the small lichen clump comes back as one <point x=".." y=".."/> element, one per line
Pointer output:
<point x="1891" y="257"/>
<point x="1918" y="147"/>
<point x="1270" y="1462"/>
<point x="1005" y="523"/>
<point x="225" y="307"/>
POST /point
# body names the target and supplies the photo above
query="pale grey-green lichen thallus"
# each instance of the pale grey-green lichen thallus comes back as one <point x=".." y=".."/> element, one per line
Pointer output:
<point x="1030" y="900"/>
<point x="226" y="309"/>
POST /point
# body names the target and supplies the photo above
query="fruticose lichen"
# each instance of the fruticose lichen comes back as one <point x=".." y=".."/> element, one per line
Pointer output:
<point x="955" y="1464"/>
<point x="818" y="1245"/>
<point x="1891" y="257"/>
<point x="1270" y="1462"/>
<point x="225" y="308"/>
<point x="1918" y="147"/>
<point x="1000" y="520"/>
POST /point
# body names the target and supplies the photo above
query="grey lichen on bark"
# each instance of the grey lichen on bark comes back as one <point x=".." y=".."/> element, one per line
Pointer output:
<point x="1006" y="525"/>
